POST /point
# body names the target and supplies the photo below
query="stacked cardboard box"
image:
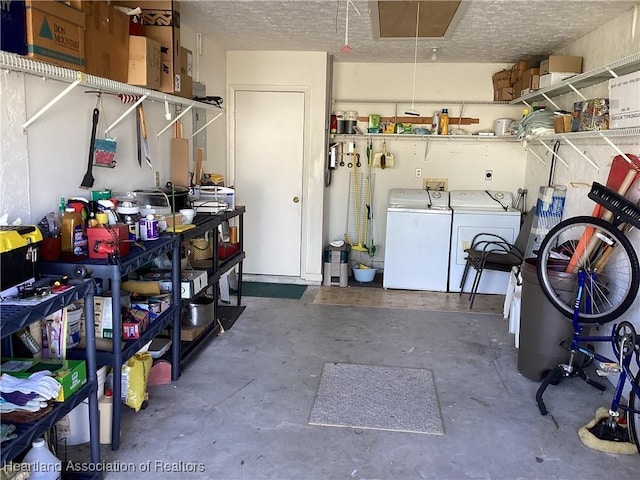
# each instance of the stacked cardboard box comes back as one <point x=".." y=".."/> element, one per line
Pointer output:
<point x="557" y="68"/>
<point x="502" y="87"/>
<point x="517" y="72"/>
<point x="144" y="62"/>
<point x="161" y="22"/>
<point x="530" y="81"/>
<point x="106" y="41"/>
<point x="54" y="33"/>
<point x="624" y="99"/>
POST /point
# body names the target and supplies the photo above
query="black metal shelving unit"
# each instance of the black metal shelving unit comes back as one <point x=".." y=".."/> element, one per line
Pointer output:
<point x="15" y="317"/>
<point x="138" y="257"/>
<point x="209" y="224"/>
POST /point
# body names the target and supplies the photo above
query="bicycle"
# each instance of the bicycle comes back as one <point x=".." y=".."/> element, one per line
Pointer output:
<point x="589" y="271"/>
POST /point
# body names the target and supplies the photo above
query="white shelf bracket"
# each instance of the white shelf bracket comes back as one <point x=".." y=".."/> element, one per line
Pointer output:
<point x="616" y="148"/>
<point x="554" y="153"/>
<point x="182" y="114"/>
<point x="530" y="150"/>
<point x="55" y="100"/>
<point x="570" y="143"/>
<point x="527" y="104"/>
<point x="126" y="112"/>
<point x="548" y="99"/>
<point x="206" y="124"/>
<point x="576" y="91"/>
<point x="612" y="73"/>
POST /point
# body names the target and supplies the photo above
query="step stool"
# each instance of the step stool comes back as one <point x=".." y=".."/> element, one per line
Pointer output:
<point x="336" y="264"/>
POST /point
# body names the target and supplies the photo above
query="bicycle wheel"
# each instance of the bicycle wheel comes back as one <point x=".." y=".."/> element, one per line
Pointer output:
<point x="606" y="256"/>
<point x="633" y="419"/>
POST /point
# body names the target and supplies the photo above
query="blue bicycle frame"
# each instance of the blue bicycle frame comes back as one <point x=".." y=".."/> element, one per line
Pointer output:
<point x="577" y="339"/>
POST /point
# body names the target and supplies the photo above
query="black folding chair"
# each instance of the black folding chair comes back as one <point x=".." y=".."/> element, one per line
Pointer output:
<point x="492" y="252"/>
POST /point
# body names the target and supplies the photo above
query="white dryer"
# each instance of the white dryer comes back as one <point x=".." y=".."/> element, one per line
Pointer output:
<point x="480" y="211"/>
<point x="416" y="253"/>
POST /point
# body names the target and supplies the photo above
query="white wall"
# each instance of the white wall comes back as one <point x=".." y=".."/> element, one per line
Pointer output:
<point x="302" y="69"/>
<point x="210" y="68"/>
<point x="463" y="163"/>
<point x="609" y="43"/>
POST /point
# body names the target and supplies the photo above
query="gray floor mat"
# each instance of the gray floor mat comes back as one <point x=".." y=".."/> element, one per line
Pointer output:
<point x="377" y="397"/>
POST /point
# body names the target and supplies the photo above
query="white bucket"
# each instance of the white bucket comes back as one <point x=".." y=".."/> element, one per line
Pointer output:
<point x="502" y="126"/>
<point x="73" y="429"/>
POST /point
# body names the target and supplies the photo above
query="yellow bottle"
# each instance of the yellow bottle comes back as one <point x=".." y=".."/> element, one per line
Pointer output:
<point x="444" y="122"/>
<point x="73" y="241"/>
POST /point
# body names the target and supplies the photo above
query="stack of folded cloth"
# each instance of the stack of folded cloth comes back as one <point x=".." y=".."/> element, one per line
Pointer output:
<point x="539" y="122"/>
<point x="24" y="400"/>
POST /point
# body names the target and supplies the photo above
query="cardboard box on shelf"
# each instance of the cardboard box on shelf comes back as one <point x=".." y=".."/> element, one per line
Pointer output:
<point x="501" y="79"/>
<point x="517" y="89"/>
<point x="144" y="62"/>
<point x="71" y="374"/>
<point x="161" y="22"/>
<point x="189" y="334"/>
<point x="13" y="31"/>
<point x="624" y="101"/>
<point x="561" y="63"/>
<point x="186" y="73"/>
<point x="192" y="282"/>
<point x="503" y="94"/>
<point x="562" y="123"/>
<point x="106" y="41"/>
<point x="55" y="33"/>
<point x="550" y="79"/>
<point x="134" y="323"/>
<point x="528" y="77"/>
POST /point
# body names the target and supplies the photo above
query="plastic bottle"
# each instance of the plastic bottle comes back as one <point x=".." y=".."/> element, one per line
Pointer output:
<point x="435" y="123"/>
<point x="444" y="122"/>
<point x="74" y="239"/>
<point x="105" y="406"/>
<point x="44" y="465"/>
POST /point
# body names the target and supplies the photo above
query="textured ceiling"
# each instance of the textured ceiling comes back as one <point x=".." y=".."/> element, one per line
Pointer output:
<point x="489" y="31"/>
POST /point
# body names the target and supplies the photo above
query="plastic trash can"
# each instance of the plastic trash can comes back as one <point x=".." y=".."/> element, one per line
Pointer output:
<point x="542" y="329"/>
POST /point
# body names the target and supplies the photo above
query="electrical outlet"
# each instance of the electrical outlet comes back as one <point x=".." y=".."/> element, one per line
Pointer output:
<point x="418" y="172"/>
<point x="435" y="184"/>
<point x="488" y="175"/>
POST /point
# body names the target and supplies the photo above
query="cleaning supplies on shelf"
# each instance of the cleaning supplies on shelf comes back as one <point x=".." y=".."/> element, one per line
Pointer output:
<point x="444" y="122"/>
<point x="43" y="464"/>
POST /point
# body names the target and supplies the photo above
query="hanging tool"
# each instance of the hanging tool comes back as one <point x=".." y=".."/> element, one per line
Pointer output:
<point x="143" y="127"/>
<point x="87" y="181"/>
<point x="138" y="137"/>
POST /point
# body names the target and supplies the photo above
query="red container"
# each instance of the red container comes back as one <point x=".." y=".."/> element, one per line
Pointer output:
<point x="104" y="238"/>
<point x="226" y="250"/>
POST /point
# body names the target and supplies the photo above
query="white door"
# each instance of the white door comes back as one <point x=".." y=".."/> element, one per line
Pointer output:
<point x="269" y="140"/>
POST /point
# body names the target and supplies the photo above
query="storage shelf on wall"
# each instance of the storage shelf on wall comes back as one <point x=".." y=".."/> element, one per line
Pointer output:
<point x="423" y="102"/>
<point x="620" y="67"/>
<point x="405" y="136"/>
<point x="19" y="63"/>
<point x="597" y="134"/>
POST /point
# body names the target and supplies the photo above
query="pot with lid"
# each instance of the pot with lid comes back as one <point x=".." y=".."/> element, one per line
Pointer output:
<point x="199" y="312"/>
<point x="163" y="200"/>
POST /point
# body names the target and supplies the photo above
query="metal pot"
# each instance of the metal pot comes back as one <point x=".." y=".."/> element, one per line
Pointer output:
<point x="200" y="312"/>
<point x="178" y="196"/>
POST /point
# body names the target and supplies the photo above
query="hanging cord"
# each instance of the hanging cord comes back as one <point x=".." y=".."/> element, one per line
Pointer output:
<point x="415" y="59"/>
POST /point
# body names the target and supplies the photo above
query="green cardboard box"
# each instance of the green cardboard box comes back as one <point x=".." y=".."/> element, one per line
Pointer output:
<point x="71" y="374"/>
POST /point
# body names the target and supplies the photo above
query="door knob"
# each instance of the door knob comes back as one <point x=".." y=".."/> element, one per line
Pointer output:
<point x="296" y="199"/>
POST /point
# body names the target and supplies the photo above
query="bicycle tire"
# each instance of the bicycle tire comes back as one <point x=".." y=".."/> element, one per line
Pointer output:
<point x="611" y="286"/>
<point x="633" y="419"/>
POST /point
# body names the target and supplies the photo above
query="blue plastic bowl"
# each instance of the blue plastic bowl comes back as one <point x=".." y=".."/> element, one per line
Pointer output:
<point x="364" y="274"/>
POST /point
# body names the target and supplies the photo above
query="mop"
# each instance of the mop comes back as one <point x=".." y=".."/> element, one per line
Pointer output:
<point x="359" y="253"/>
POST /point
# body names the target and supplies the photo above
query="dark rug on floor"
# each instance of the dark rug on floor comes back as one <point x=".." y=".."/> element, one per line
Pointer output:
<point x="228" y="314"/>
<point x="273" y="290"/>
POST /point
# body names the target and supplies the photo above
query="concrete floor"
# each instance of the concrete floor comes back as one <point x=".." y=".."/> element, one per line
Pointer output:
<point x="240" y="410"/>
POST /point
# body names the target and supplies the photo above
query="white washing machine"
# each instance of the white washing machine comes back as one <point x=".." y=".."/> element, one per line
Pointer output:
<point x="478" y="211"/>
<point x="416" y="253"/>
